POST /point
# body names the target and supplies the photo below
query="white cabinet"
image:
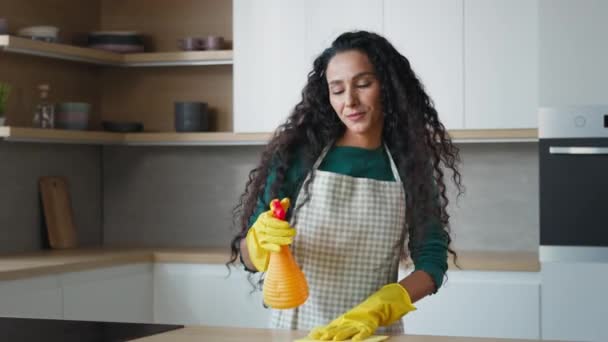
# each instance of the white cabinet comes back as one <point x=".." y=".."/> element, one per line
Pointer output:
<point x="117" y="294"/>
<point x="206" y="294"/>
<point x="573" y="50"/>
<point x="480" y="304"/>
<point x="429" y="34"/>
<point x="501" y="63"/>
<point x="271" y="62"/>
<point x="38" y="297"/>
<point x="478" y="59"/>
<point x="574" y="303"/>
<point x="275" y="43"/>
<point x="328" y="19"/>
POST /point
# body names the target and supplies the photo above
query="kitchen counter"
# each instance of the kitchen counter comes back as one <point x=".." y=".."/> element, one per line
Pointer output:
<point x="218" y="334"/>
<point x="45" y="262"/>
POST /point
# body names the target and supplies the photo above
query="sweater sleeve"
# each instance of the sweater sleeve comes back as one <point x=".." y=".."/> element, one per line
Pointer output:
<point x="430" y="255"/>
<point x="289" y="189"/>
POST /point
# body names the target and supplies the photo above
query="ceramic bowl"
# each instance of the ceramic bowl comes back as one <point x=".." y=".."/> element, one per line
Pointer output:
<point x="72" y="115"/>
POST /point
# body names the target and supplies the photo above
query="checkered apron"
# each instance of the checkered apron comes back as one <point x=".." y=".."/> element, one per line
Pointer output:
<point x="347" y="245"/>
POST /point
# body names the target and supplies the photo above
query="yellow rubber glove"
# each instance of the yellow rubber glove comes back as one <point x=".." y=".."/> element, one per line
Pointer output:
<point x="382" y="308"/>
<point x="268" y="234"/>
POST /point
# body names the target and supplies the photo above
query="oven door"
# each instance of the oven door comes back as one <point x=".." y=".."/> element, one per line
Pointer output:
<point x="573" y="199"/>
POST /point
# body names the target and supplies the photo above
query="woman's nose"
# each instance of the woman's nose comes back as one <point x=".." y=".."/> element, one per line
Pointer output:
<point x="351" y="98"/>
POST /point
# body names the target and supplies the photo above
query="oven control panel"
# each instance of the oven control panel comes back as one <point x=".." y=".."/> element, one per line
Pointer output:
<point x="573" y="122"/>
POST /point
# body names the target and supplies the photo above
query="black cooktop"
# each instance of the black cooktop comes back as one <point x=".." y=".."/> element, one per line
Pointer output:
<point x="52" y="330"/>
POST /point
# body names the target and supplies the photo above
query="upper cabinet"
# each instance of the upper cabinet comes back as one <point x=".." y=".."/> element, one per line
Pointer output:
<point x="328" y="19"/>
<point x="270" y="61"/>
<point x="500" y="64"/>
<point x="477" y="59"/>
<point x="572" y="52"/>
<point x="275" y="43"/>
<point x="429" y="34"/>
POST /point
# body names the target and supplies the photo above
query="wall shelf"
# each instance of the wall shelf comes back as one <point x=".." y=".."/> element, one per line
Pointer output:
<point x="94" y="56"/>
<point x="25" y="134"/>
<point x="200" y="139"/>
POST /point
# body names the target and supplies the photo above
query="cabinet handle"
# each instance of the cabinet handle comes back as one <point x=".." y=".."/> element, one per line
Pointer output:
<point x="578" y="150"/>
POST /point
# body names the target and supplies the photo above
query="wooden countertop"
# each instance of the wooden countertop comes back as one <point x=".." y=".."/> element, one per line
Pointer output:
<point x="45" y="262"/>
<point x="218" y="334"/>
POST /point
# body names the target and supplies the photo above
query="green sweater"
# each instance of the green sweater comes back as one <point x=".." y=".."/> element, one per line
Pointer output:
<point x="429" y="256"/>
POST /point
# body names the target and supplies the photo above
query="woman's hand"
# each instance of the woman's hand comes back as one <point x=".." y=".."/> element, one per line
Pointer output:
<point x="382" y="308"/>
<point x="268" y="234"/>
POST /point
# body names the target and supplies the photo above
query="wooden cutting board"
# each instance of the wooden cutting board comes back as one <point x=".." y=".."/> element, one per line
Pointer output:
<point x="58" y="214"/>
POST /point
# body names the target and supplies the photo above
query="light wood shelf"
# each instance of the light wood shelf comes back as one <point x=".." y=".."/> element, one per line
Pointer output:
<point x="215" y="57"/>
<point x="94" y="56"/>
<point x="25" y="134"/>
<point x="203" y="138"/>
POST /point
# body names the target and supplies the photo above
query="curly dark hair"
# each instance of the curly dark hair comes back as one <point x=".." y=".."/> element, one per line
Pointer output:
<point x="419" y="143"/>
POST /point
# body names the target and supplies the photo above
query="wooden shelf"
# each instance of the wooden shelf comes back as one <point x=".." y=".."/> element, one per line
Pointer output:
<point x="26" y="134"/>
<point x="216" y="57"/>
<point x="204" y="138"/>
<point x="95" y="56"/>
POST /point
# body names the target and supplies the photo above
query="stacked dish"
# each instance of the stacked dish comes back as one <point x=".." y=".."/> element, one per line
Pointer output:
<point x="43" y="33"/>
<point x="116" y="41"/>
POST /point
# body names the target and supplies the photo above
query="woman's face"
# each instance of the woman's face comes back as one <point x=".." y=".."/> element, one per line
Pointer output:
<point x="354" y="94"/>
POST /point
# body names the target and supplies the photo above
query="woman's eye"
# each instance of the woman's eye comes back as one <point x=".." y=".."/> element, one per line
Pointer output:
<point x="337" y="92"/>
<point x="364" y="85"/>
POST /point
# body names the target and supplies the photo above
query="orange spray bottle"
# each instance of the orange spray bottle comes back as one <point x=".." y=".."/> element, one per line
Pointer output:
<point x="285" y="286"/>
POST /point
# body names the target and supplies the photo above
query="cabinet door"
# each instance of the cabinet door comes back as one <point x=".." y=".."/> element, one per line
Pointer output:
<point x="429" y="34"/>
<point x="116" y="294"/>
<point x="480" y="304"/>
<point x="38" y="297"/>
<point x="328" y="19"/>
<point x="501" y="63"/>
<point x="573" y="50"/>
<point x="574" y="304"/>
<point x="270" y="62"/>
<point x="206" y="294"/>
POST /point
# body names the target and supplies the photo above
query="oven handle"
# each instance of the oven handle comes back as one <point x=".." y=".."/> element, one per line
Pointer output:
<point x="577" y="150"/>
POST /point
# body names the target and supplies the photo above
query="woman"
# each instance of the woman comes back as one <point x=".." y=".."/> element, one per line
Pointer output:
<point x="362" y="157"/>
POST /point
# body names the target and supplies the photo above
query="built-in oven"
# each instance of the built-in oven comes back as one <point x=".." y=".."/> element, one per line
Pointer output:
<point x="573" y="166"/>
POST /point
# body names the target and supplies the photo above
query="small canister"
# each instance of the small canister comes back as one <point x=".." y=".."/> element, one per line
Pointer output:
<point x="191" y="117"/>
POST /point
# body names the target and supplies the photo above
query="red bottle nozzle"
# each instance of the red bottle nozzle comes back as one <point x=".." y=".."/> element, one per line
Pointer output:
<point x="277" y="209"/>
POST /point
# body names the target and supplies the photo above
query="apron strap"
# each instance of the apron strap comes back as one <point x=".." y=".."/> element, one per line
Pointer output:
<point x="321" y="157"/>
<point x="393" y="166"/>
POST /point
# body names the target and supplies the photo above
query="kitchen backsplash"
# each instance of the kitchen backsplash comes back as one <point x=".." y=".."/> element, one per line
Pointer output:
<point x="184" y="196"/>
<point x="499" y="210"/>
<point x="158" y="196"/>
<point x="21" y="164"/>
